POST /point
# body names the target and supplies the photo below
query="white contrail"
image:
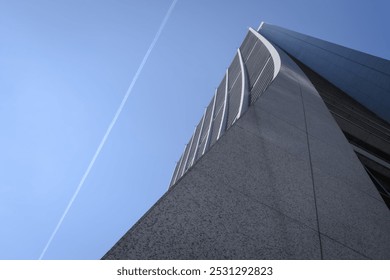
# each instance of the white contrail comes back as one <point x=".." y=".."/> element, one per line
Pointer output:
<point x="118" y="112"/>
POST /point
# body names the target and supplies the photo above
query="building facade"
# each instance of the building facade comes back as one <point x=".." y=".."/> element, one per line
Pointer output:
<point x="290" y="160"/>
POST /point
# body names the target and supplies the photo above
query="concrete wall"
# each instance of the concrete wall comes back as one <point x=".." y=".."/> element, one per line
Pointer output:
<point x="281" y="183"/>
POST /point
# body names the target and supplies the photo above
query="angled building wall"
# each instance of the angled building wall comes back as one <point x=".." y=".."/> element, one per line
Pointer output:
<point x="356" y="89"/>
<point x="364" y="77"/>
<point x="281" y="181"/>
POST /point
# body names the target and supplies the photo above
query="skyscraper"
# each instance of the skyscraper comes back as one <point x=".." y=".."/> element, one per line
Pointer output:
<point x="290" y="160"/>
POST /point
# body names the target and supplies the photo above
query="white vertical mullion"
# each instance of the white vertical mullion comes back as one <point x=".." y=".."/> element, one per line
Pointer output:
<point x="178" y="169"/>
<point x="211" y="123"/>
<point x="271" y="49"/>
<point x="244" y="102"/>
<point x="175" y="171"/>
<point x="188" y="154"/>
<point x="199" y="135"/>
<point x="224" y="115"/>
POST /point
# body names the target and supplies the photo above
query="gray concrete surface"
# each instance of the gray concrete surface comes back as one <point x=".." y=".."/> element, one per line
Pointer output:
<point x="281" y="183"/>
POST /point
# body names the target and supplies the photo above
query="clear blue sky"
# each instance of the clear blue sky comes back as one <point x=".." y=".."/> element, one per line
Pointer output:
<point x="65" y="66"/>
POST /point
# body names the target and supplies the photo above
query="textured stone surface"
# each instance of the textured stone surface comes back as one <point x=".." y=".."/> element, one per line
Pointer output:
<point x="333" y="250"/>
<point x="262" y="170"/>
<point x="286" y="105"/>
<point x="342" y="164"/>
<point x="323" y="127"/>
<point x="352" y="217"/>
<point x="281" y="183"/>
<point x="272" y="129"/>
<point x="210" y="214"/>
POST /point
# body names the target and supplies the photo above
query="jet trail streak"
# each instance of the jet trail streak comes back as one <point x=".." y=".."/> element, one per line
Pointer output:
<point x="108" y="131"/>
